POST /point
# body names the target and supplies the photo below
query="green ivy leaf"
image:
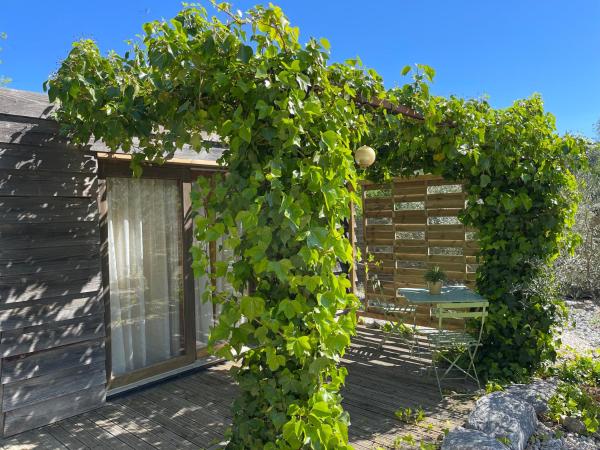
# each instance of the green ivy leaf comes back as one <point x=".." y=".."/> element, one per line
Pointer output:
<point x="246" y="133"/>
<point x="252" y="307"/>
<point x="245" y="53"/>
<point x="330" y="138"/>
<point x="484" y="180"/>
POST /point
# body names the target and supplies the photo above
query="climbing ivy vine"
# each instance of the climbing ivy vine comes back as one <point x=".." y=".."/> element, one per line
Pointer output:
<point x="522" y="198"/>
<point x="291" y="121"/>
<point x="290" y="124"/>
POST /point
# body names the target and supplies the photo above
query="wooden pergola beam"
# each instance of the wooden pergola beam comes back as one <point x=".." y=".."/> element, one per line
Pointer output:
<point x="391" y="107"/>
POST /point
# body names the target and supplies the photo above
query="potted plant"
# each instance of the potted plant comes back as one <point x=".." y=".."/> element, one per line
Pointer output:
<point x="435" y="277"/>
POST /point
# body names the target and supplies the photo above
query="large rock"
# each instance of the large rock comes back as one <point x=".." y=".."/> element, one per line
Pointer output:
<point x="536" y="394"/>
<point x="504" y="416"/>
<point x="462" y="439"/>
<point x="574" y="425"/>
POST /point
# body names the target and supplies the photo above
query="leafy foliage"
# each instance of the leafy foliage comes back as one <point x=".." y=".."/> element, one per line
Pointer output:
<point x="578" y="392"/>
<point x="407" y="415"/>
<point x="435" y="274"/>
<point x="578" y="274"/>
<point x="290" y="121"/>
<point x="522" y="198"/>
<point x="579" y="369"/>
<point x="573" y="401"/>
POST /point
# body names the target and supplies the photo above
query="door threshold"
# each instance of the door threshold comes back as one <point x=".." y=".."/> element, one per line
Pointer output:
<point x="162" y="377"/>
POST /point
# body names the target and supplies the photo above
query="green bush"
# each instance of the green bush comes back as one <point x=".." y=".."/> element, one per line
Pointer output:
<point x="521" y="197"/>
<point x="580" y="370"/>
<point x="579" y="377"/>
<point x="579" y="273"/>
<point x="573" y="401"/>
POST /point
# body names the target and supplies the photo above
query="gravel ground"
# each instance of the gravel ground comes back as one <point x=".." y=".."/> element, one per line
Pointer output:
<point x="583" y="332"/>
<point x="549" y="438"/>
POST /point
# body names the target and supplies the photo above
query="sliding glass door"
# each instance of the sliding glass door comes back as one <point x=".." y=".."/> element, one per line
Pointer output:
<point x="158" y="321"/>
<point x="145" y="255"/>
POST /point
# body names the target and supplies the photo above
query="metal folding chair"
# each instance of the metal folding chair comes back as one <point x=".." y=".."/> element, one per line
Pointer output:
<point x="396" y="313"/>
<point x="450" y="343"/>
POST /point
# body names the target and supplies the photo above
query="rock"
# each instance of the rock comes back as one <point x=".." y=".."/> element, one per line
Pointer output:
<point x="462" y="439"/>
<point x="504" y="416"/>
<point x="536" y="394"/>
<point x="574" y="425"/>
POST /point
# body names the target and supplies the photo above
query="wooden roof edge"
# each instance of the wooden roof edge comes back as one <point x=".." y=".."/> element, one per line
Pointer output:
<point x="411" y="178"/>
<point x="391" y="107"/>
<point x="199" y="163"/>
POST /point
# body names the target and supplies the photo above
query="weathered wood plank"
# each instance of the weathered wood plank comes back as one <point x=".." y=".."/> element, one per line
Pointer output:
<point x="53" y="410"/>
<point x="49" y="361"/>
<point x="47" y="183"/>
<point x="57" y="384"/>
<point x="30" y="131"/>
<point x="31" y="158"/>
<point x="77" y="285"/>
<point x="17" y="289"/>
<point x="166" y="416"/>
<point x="37" y="260"/>
<point x="130" y="439"/>
<point x="59" y="309"/>
<point x="192" y="410"/>
<point x="24" y="103"/>
<point x="48" y="336"/>
<point x="37" y="235"/>
<point x="66" y="438"/>
<point x="45" y="210"/>
<point x="159" y="437"/>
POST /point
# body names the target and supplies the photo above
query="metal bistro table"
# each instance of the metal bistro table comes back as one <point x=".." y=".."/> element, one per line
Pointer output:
<point x="450" y="294"/>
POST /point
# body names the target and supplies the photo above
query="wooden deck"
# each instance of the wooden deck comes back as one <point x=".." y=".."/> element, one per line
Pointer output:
<point x="192" y="411"/>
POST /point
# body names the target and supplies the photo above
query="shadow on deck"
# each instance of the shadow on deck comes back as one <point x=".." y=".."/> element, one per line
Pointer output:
<point x="192" y="411"/>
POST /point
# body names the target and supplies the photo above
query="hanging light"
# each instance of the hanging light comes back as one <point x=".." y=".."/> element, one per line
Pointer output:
<point x="364" y="156"/>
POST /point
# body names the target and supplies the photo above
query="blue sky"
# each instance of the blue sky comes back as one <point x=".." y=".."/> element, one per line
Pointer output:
<point x="506" y="49"/>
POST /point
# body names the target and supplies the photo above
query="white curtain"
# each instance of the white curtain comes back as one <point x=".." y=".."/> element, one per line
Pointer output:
<point x="145" y="267"/>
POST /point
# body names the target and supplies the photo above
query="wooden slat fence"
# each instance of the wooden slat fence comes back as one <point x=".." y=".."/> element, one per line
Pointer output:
<point x="409" y="226"/>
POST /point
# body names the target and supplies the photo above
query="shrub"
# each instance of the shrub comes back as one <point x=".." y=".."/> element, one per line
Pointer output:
<point x="579" y="273"/>
<point x="573" y="401"/>
<point x="576" y="395"/>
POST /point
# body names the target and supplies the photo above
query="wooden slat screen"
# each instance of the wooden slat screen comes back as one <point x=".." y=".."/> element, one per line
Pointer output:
<point x="411" y="225"/>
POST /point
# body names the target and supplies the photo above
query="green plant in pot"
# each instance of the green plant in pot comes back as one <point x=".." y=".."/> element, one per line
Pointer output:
<point x="435" y="277"/>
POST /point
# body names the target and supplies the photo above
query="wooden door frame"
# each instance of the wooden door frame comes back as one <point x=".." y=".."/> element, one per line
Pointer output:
<point x="184" y="175"/>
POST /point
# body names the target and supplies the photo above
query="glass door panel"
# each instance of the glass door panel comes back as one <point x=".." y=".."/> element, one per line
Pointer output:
<point x="207" y="313"/>
<point x="144" y="222"/>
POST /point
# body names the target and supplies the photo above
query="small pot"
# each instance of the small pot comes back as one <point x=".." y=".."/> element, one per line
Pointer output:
<point x="435" y="288"/>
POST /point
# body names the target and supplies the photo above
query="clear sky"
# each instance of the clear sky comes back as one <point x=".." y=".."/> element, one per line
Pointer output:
<point x="505" y="49"/>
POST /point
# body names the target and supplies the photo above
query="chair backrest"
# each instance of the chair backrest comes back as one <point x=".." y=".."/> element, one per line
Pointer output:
<point x="455" y="311"/>
<point x="385" y="305"/>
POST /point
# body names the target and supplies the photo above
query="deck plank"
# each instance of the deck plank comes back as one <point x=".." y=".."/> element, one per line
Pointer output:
<point x="193" y="411"/>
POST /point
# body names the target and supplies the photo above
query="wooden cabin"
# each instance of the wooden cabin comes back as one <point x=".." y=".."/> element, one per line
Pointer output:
<point x="97" y="295"/>
<point x="96" y="290"/>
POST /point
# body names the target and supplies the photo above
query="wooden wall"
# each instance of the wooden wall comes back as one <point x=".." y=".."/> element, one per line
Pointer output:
<point x="411" y="225"/>
<point x="51" y="313"/>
